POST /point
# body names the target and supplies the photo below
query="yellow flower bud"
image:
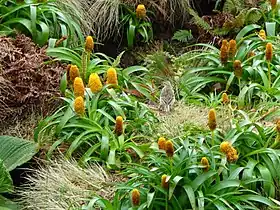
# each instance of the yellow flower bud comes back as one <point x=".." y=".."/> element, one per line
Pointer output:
<point x="237" y="68"/>
<point x="268" y="52"/>
<point x="262" y="34"/>
<point x="94" y="83"/>
<point x="164" y="183"/>
<point x="112" y="77"/>
<point x="204" y="161"/>
<point x="89" y="45"/>
<point x="161" y="143"/>
<point x="79" y="89"/>
<point x="251" y="54"/>
<point x="212" y="121"/>
<point x="135" y="197"/>
<point x="141" y="11"/>
<point x="225" y="99"/>
<point x="224" y="54"/>
<point x="169" y="148"/>
<point x="79" y="106"/>
<point x="278" y="125"/>
<point x="119" y="126"/>
<point x="232" y="48"/>
<point x="225" y="146"/>
<point x="231" y="154"/>
<point x="73" y="72"/>
<point x="273" y="3"/>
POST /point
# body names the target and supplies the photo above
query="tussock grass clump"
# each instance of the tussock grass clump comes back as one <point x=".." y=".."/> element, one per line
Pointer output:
<point x="189" y="117"/>
<point x="62" y="184"/>
<point x="104" y="14"/>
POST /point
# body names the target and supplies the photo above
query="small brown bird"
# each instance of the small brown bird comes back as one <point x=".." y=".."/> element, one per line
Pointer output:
<point x="167" y="97"/>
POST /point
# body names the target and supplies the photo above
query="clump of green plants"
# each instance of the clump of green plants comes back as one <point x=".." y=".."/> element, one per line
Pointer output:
<point x="136" y="25"/>
<point x="41" y="21"/>
<point x="232" y="169"/>
<point x="102" y="118"/>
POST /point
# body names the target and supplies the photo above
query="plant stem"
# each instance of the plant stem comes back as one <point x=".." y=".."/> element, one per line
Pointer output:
<point x="268" y="74"/>
<point x="213" y="135"/>
<point x="166" y="201"/>
<point x="239" y="84"/>
<point x="84" y="65"/>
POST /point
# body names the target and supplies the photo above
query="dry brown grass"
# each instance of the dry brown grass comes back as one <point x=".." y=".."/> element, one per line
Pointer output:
<point x="173" y="124"/>
<point x="103" y="15"/>
<point x="27" y="83"/>
<point x="64" y="185"/>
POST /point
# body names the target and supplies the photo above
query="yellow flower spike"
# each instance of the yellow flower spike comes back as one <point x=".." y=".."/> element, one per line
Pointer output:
<point x="231" y="154"/>
<point x="79" y="106"/>
<point x="135" y="197"/>
<point x="212" y="121"/>
<point x="237" y="68"/>
<point x="278" y="125"/>
<point x="262" y="34"/>
<point x="225" y="146"/>
<point x="232" y="48"/>
<point x="204" y="161"/>
<point x="225" y="99"/>
<point x="161" y="143"/>
<point x="141" y="11"/>
<point x="112" y="77"/>
<point x="94" y="83"/>
<point x="224" y="52"/>
<point x="164" y="183"/>
<point x="119" y="126"/>
<point x="251" y="54"/>
<point x="89" y="45"/>
<point x="273" y="3"/>
<point x="225" y="43"/>
<point x="268" y="52"/>
<point x="169" y="148"/>
<point x="73" y="72"/>
<point x="79" y="88"/>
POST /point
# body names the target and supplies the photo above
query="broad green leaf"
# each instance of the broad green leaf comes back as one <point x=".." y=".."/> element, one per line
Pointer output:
<point x="191" y="195"/>
<point x="16" y="151"/>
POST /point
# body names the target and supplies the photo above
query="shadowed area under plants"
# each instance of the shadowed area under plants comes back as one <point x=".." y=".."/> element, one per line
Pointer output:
<point x="62" y="184"/>
<point x="28" y="80"/>
<point x="190" y="118"/>
<point x="21" y="128"/>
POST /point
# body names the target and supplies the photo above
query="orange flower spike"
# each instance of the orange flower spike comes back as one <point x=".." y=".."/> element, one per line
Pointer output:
<point x="141" y="11"/>
<point x="232" y="48"/>
<point x="112" y="77"/>
<point x="164" y="183"/>
<point x="237" y="68"/>
<point x="89" y="45"/>
<point x="135" y="197"/>
<point x="94" y="83"/>
<point x="268" y="52"/>
<point x="161" y="143"/>
<point x="79" y="106"/>
<point x="79" y="88"/>
<point x="204" y="161"/>
<point x="224" y="53"/>
<point x="169" y="148"/>
<point x="225" y="146"/>
<point x="212" y="121"/>
<point x="225" y="99"/>
<point x="73" y="72"/>
<point x="119" y="126"/>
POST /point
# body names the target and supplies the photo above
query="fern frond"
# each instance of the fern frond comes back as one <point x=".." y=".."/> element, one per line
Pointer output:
<point x="182" y="35"/>
<point x="253" y="15"/>
<point x="198" y="20"/>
